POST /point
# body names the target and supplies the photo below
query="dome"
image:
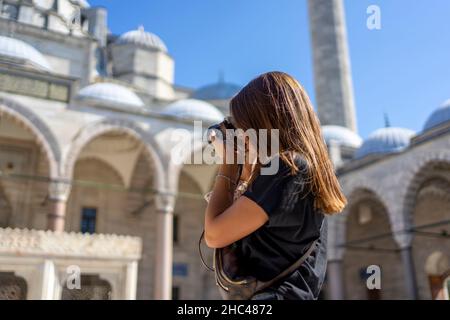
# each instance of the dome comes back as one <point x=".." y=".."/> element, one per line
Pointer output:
<point x="439" y="116"/>
<point x="342" y="136"/>
<point x="48" y="4"/>
<point x="193" y="110"/>
<point x="385" y="140"/>
<point x="142" y="38"/>
<point x="17" y="49"/>
<point x="83" y="3"/>
<point x="217" y="91"/>
<point x="110" y="93"/>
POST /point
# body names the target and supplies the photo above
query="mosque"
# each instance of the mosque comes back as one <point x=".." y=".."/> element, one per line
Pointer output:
<point x="90" y="187"/>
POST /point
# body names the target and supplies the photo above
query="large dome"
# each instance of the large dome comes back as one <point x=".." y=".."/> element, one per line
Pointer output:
<point x="439" y="116"/>
<point x="142" y="38"/>
<point x="217" y="91"/>
<point x="342" y="136"/>
<point x="25" y="53"/>
<point x="110" y="94"/>
<point x="192" y="109"/>
<point x="385" y="140"/>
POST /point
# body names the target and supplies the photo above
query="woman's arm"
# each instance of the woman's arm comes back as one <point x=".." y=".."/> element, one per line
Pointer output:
<point x="225" y="221"/>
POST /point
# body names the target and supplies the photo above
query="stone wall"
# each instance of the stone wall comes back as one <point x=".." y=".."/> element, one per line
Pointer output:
<point x="119" y="211"/>
<point x="413" y="187"/>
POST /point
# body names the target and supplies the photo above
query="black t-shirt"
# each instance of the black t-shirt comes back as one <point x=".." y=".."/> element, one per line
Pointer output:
<point x="292" y="227"/>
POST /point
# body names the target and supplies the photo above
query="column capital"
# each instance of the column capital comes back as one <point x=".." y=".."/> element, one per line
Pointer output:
<point x="401" y="228"/>
<point x="403" y="238"/>
<point x="165" y="202"/>
<point x="59" y="190"/>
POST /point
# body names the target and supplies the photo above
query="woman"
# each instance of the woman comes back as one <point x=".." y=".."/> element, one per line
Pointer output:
<point x="279" y="216"/>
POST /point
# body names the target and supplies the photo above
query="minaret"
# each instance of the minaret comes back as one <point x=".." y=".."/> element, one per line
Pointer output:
<point x="332" y="72"/>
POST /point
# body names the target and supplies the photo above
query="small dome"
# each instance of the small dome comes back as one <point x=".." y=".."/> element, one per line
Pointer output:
<point x="439" y="116"/>
<point x="17" y="49"/>
<point x="82" y="3"/>
<point x="110" y="93"/>
<point x="343" y="136"/>
<point x="142" y="38"/>
<point x="217" y="91"/>
<point x="193" y="110"/>
<point x="385" y="140"/>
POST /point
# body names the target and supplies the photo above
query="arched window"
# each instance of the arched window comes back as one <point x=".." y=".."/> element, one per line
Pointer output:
<point x="10" y="11"/>
<point x="12" y="287"/>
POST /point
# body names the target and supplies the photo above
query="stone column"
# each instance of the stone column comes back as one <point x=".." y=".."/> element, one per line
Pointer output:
<point x="58" y="195"/>
<point x="404" y="240"/>
<point x="49" y="280"/>
<point x="335" y="256"/>
<point x="164" y="247"/>
<point x="334" y="150"/>
<point x="131" y="281"/>
<point x="332" y="72"/>
<point x="410" y="273"/>
<point x="335" y="283"/>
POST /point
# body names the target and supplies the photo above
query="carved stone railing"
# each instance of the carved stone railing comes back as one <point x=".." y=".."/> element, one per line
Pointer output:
<point x="47" y="261"/>
<point x="55" y="244"/>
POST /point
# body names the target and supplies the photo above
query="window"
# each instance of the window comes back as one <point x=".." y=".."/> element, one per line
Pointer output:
<point x="175" y="293"/>
<point x="176" y="227"/>
<point x="41" y="20"/>
<point x="88" y="220"/>
<point x="10" y="11"/>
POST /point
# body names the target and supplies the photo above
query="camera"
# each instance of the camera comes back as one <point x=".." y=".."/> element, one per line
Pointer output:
<point x="212" y="131"/>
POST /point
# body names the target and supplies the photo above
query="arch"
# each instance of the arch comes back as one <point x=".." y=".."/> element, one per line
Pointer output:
<point x="94" y="159"/>
<point x="337" y="224"/>
<point x="175" y="166"/>
<point x="129" y="127"/>
<point x="362" y="193"/>
<point x="352" y="187"/>
<point x="355" y="192"/>
<point x="39" y="129"/>
<point x="368" y="240"/>
<point x="418" y="173"/>
<point x="12" y="286"/>
<point x="194" y="186"/>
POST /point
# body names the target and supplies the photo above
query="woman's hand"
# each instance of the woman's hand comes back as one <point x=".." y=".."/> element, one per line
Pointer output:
<point x="226" y="220"/>
<point x="223" y="144"/>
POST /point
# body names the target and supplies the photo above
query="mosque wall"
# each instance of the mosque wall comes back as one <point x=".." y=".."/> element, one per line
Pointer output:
<point x="70" y="56"/>
<point x="414" y="187"/>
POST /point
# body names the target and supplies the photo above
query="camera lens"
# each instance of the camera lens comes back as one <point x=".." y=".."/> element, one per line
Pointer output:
<point x="212" y="132"/>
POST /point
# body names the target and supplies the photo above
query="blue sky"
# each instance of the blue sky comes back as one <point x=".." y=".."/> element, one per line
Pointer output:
<point x="402" y="69"/>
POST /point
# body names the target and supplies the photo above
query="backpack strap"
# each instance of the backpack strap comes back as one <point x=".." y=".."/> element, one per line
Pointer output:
<point x="288" y="271"/>
<point x="200" y="252"/>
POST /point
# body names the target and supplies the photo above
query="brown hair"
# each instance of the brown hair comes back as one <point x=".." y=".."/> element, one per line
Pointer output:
<point x="275" y="100"/>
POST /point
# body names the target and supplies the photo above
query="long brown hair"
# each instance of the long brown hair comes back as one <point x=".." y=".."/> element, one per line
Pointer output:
<point x="275" y="100"/>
